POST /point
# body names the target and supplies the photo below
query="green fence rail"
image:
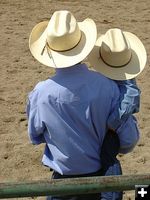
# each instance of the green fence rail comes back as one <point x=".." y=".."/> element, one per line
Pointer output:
<point x="73" y="186"/>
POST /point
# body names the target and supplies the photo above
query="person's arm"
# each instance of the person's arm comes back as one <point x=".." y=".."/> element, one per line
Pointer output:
<point x="125" y="127"/>
<point x="129" y="97"/>
<point x="128" y="134"/>
<point x="35" y="125"/>
<point x="126" y="102"/>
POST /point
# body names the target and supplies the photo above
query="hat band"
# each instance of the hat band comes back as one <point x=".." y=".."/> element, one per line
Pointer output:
<point x="113" y="66"/>
<point x="47" y="45"/>
<point x="51" y="48"/>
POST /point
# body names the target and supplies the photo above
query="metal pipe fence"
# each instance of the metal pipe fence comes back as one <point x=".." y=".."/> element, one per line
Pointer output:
<point x="71" y="186"/>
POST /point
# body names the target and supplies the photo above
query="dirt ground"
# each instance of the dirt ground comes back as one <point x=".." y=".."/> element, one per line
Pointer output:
<point x="19" y="72"/>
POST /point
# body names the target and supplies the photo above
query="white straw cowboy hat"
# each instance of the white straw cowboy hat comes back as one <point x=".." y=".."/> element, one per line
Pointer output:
<point x="62" y="41"/>
<point x="118" y="55"/>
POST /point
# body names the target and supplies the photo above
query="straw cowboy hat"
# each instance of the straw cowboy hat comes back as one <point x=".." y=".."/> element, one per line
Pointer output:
<point x="118" y="55"/>
<point x="62" y="41"/>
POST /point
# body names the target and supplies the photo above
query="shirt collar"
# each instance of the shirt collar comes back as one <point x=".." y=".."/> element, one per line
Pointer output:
<point x="78" y="68"/>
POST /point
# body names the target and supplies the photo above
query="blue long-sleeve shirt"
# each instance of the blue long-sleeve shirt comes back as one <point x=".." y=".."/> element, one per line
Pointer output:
<point x="71" y="113"/>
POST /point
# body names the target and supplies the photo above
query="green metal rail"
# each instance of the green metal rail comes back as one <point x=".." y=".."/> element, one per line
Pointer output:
<point x="73" y="186"/>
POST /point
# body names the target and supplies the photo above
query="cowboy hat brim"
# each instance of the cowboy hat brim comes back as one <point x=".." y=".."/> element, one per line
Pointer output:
<point x="62" y="59"/>
<point x="133" y="68"/>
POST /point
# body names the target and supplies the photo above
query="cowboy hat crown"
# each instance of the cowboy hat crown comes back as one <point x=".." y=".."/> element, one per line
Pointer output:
<point x="63" y="32"/>
<point x="115" y="45"/>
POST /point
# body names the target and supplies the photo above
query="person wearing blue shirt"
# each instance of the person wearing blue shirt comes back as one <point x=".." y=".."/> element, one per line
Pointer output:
<point x="120" y="56"/>
<point x="129" y="104"/>
<point x="72" y="111"/>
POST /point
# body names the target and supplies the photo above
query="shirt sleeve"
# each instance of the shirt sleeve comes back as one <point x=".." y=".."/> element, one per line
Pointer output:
<point x="129" y="97"/>
<point x="125" y="102"/>
<point x="128" y="134"/>
<point x="35" y="125"/>
<point x="114" y="119"/>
